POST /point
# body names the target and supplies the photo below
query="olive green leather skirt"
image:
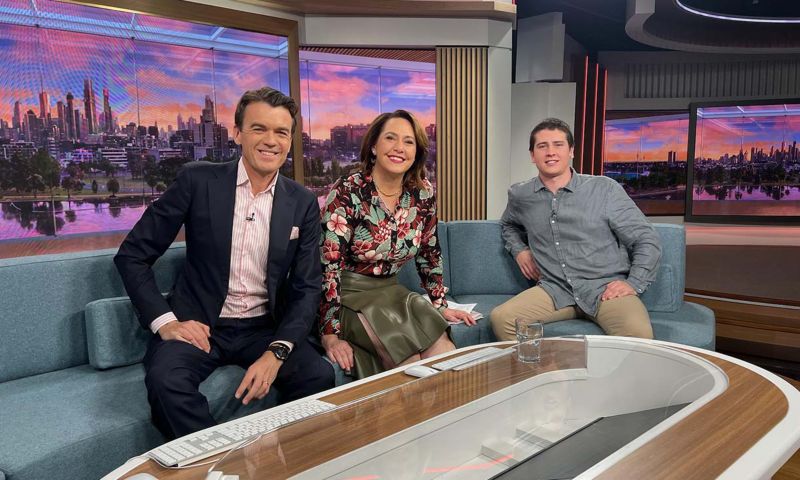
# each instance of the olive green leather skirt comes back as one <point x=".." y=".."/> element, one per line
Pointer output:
<point x="405" y="322"/>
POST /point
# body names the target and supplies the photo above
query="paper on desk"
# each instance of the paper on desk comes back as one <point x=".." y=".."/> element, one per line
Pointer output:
<point x="464" y="307"/>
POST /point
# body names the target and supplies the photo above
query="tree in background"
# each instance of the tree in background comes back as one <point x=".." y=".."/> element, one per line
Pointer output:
<point x="113" y="186"/>
<point x="48" y="168"/>
<point x="151" y="176"/>
<point x="168" y="168"/>
<point x="136" y="163"/>
<point x="73" y="180"/>
<point x="5" y="174"/>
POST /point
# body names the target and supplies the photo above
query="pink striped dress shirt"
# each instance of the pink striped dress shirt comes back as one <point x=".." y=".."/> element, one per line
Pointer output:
<point x="247" y="286"/>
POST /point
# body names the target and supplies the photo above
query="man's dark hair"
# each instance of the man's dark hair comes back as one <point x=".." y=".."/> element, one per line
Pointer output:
<point x="271" y="97"/>
<point x="551" y="124"/>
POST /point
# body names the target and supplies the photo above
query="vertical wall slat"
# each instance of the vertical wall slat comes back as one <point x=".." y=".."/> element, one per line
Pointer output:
<point x="461" y="132"/>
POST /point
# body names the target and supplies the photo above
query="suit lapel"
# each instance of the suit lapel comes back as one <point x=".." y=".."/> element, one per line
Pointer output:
<point x="221" y="200"/>
<point x="280" y="227"/>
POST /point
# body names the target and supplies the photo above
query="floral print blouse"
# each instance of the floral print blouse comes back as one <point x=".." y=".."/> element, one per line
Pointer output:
<point x="360" y="235"/>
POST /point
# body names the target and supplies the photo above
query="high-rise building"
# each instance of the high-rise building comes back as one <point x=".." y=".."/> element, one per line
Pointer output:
<point x="208" y="112"/>
<point x="61" y="122"/>
<point x="32" y="129"/>
<point x="44" y="105"/>
<point x="90" y="105"/>
<point x="76" y="122"/>
<point x="69" y="116"/>
<point x="108" y="121"/>
<point x="16" y="121"/>
<point x="181" y="125"/>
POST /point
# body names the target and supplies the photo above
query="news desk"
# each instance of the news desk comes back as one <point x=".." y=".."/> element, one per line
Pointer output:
<point x="592" y="407"/>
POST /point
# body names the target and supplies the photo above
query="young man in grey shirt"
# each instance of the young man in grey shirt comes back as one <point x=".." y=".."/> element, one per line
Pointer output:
<point x="585" y="241"/>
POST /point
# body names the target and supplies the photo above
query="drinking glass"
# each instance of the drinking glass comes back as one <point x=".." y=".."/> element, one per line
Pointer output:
<point x="529" y="337"/>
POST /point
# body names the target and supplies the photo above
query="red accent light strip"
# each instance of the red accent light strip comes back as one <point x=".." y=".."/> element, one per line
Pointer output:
<point x="583" y="112"/>
<point x="594" y="116"/>
<point x="603" y="131"/>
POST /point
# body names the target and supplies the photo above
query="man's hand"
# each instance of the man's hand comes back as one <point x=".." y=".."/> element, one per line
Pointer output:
<point x="455" y="316"/>
<point x="339" y="351"/>
<point x="617" y="289"/>
<point x="528" y="265"/>
<point x="259" y="378"/>
<point x="189" y="331"/>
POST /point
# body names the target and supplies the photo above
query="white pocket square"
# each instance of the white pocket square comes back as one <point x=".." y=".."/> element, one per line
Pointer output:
<point x="295" y="233"/>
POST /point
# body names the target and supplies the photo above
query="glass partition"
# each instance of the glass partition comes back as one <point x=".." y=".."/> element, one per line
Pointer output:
<point x="498" y="419"/>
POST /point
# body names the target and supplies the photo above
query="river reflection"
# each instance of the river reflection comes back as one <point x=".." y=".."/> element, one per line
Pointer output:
<point x="749" y="192"/>
<point x="30" y="219"/>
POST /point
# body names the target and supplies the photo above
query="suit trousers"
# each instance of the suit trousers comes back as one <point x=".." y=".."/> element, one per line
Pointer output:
<point x="623" y="316"/>
<point x="175" y="370"/>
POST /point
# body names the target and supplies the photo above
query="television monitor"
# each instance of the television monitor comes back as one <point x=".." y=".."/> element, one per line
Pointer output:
<point x="645" y="151"/>
<point x="744" y="162"/>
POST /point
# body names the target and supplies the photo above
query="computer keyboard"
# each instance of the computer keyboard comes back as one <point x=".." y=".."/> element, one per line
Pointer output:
<point x="472" y="358"/>
<point x="211" y="441"/>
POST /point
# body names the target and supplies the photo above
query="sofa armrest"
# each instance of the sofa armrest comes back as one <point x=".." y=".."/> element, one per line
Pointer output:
<point x="114" y="336"/>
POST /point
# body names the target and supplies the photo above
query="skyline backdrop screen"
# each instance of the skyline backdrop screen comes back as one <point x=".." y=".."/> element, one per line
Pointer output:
<point x="342" y="94"/>
<point x="746" y="162"/>
<point x="646" y="153"/>
<point x="100" y="108"/>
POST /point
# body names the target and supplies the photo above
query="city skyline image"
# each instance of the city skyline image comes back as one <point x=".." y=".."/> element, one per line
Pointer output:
<point x="650" y="139"/>
<point x="747" y="161"/>
<point x="94" y="127"/>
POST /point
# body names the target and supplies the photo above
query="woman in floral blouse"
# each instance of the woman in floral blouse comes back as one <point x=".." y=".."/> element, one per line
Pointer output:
<point x="374" y="221"/>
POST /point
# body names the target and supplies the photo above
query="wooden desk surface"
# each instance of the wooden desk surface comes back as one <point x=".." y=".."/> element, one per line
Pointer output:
<point x="714" y="440"/>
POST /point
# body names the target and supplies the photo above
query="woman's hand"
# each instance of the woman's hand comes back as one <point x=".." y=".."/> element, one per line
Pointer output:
<point x="455" y="316"/>
<point x="339" y="351"/>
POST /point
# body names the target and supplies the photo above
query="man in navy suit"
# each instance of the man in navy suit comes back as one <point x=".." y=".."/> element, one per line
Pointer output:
<point x="251" y="284"/>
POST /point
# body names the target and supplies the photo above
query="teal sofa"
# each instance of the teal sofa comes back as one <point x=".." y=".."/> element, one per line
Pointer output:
<point x="71" y="379"/>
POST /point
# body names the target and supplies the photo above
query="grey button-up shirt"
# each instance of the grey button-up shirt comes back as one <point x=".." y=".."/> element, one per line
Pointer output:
<point x="587" y="235"/>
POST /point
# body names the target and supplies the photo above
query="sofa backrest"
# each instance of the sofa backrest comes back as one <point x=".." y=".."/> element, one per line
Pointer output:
<point x="666" y="293"/>
<point x="479" y="264"/>
<point x="42" y="306"/>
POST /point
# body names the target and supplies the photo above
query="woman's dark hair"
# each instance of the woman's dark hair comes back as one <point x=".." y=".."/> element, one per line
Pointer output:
<point x="416" y="174"/>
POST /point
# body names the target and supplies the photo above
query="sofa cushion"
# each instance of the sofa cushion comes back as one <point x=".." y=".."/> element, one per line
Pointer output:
<point x="100" y="418"/>
<point x="479" y="264"/>
<point x="691" y="324"/>
<point x="114" y="336"/>
<point x="43" y="327"/>
<point x="485" y="305"/>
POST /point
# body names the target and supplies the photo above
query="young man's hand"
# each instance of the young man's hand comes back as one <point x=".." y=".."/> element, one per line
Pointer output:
<point x="617" y="289"/>
<point x="528" y="265"/>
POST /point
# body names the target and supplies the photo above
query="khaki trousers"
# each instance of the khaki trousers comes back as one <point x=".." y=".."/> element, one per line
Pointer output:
<point x="624" y="316"/>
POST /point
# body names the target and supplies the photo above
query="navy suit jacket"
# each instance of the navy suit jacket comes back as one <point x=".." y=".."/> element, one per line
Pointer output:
<point x="202" y="199"/>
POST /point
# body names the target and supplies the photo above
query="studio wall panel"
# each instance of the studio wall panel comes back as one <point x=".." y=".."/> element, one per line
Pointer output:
<point x="461" y="89"/>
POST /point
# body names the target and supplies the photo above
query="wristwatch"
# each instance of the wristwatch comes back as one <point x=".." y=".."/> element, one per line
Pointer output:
<point x="280" y="351"/>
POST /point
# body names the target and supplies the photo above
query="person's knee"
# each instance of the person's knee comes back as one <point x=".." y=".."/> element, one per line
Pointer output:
<point x="500" y="317"/>
<point x="634" y="327"/>
<point x="641" y="329"/>
<point x="323" y="378"/>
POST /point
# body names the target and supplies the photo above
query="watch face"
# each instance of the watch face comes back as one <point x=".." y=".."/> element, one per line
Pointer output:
<point x="281" y="351"/>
